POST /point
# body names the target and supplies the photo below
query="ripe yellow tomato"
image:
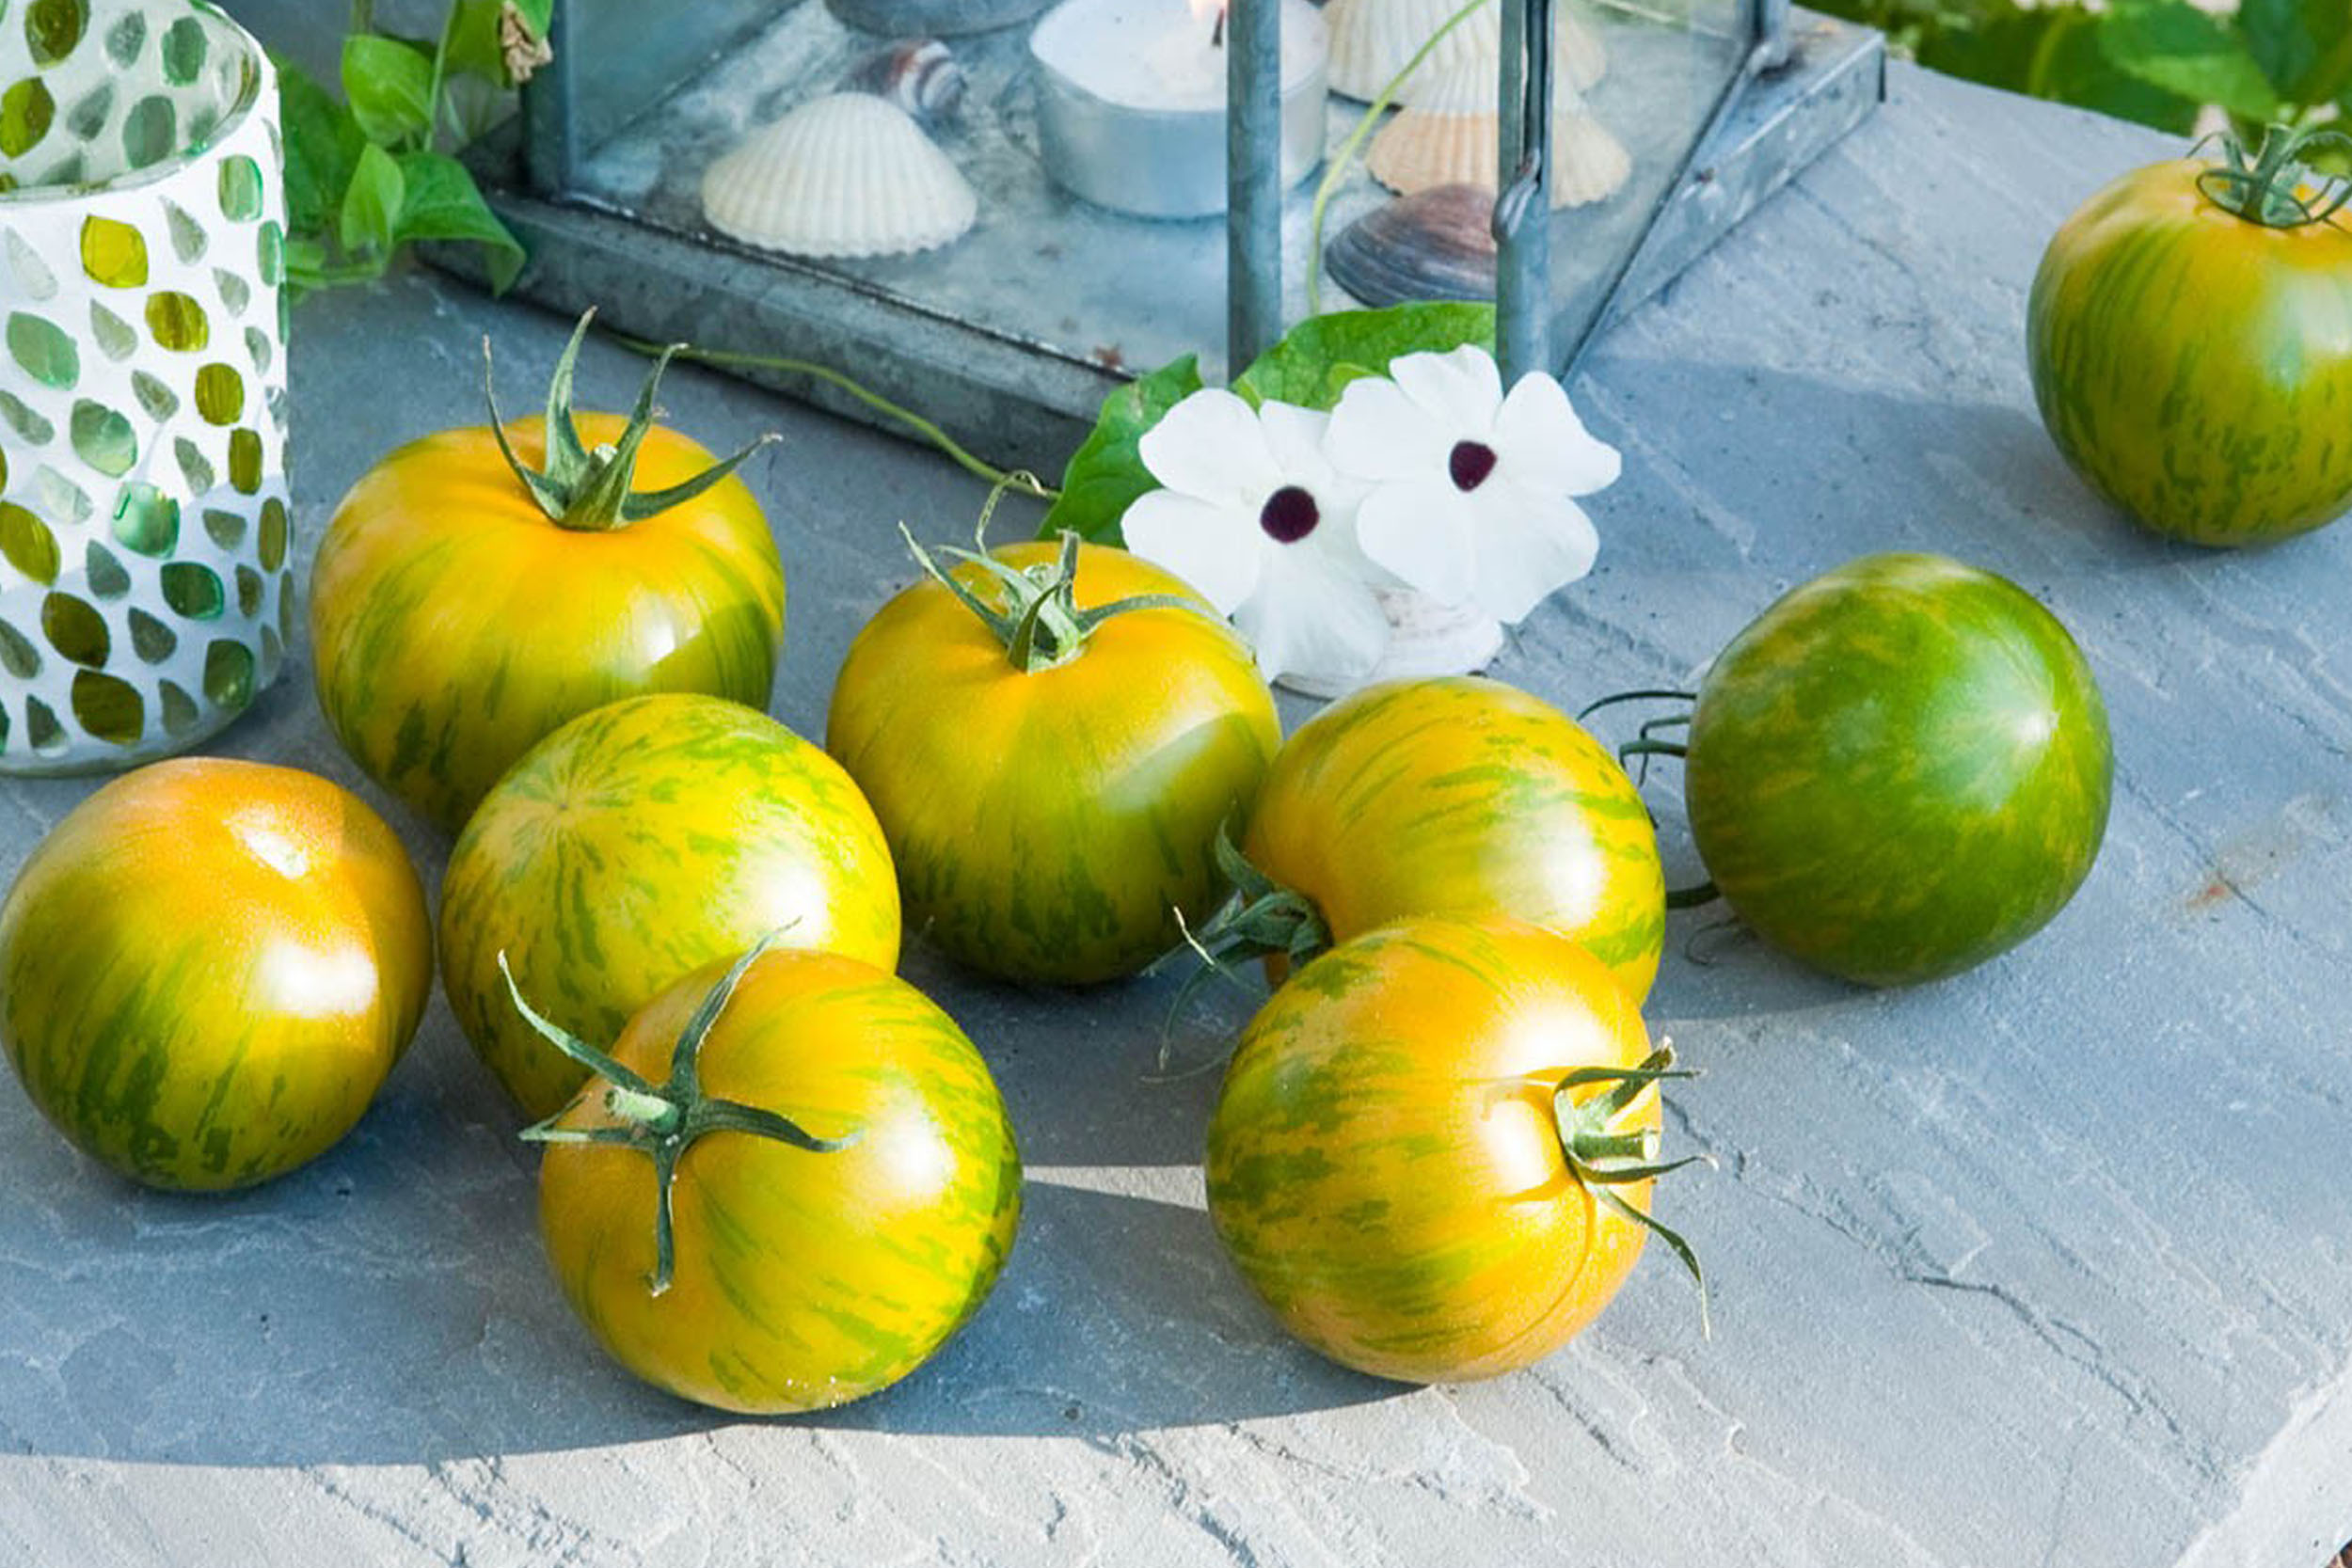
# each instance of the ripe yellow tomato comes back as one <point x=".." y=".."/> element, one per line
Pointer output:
<point x="455" y="622"/>
<point x="1048" y="824"/>
<point x="1461" y="796"/>
<point x="1402" y="1166"/>
<point x="208" y="967"/>
<point x="639" y="842"/>
<point x="798" y="1277"/>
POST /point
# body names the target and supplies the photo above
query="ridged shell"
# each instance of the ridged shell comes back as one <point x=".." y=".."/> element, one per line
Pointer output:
<point x="844" y="175"/>
<point x="1437" y="243"/>
<point x="1453" y="144"/>
<point x="920" y="75"/>
<point x="1373" y="39"/>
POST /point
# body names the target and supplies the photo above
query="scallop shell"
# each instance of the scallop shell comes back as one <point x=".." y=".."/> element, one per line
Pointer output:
<point x="844" y="175"/>
<point x="1450" y="140"/>
<point x="1374" y="39"/>
<point x="1437" y="243"/>
<point x="920" y="75"/>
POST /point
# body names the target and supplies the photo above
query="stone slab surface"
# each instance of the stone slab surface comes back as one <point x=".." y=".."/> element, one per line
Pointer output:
<point x="2048" y="1264"/>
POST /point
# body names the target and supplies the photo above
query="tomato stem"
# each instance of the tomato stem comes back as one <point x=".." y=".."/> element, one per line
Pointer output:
<point x="1603" y="1157"/>
<point x="1041" y="623"/>
<point x="590" y="491"/>
<point x="2270" y="189"/>
<point x="663" y="1121"/>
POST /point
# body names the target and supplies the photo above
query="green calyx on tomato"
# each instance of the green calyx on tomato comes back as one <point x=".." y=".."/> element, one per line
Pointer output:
<point x="1604" y="1158"/>
<point x="2271" y="189"/>
<point x="1039" y="622"/>
<point x="665" y="1120"/>
<point x="588" y="490"/>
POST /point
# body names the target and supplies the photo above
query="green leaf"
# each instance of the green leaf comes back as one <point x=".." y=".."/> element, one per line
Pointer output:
<point x="2172" y="45"/>
<point x="2304" y="47"/>
<point x="1320" y="355"/>
<point x="538" y="15"/>
<point x="1107" y="474"/>
<point x="473" y="41"/>
<point x="440" y="201"/>
<point x="323" y="145"/>
<point x="389" y="86"/>
<point x="2050" y="51"/>
<point x="370" y="210"/>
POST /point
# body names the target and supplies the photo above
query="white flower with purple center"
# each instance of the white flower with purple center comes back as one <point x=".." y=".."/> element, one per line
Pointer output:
<point x="1254" y="515"/>
<point x="1470" y="490"/>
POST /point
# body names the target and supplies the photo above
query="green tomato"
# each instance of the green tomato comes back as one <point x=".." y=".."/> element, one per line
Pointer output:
<point x="2195" y="366"/>
<point x="1899" y="770"/>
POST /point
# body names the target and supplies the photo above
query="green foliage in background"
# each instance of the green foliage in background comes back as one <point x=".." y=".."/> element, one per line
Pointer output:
<point x="2156" y="61"/>
<point x="371" y="172"/>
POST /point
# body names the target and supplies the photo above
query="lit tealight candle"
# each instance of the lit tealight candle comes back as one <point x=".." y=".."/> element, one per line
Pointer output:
<point x="1131" y="100"/>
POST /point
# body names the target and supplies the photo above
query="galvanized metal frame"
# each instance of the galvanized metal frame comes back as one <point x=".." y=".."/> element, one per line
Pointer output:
<point x="1031" y="401"/>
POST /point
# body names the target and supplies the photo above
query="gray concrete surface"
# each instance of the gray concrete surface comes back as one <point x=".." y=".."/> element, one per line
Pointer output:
<point x="2047" y="1264"/>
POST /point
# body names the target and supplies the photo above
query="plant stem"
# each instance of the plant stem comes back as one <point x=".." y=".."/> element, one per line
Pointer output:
<point x="1344" y="159"/>
<point x="1020" y="484"/>
<point x="440" y="65"/>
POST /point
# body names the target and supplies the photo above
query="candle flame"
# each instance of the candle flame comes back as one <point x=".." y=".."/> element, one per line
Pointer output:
<point x="1208" y="11"/>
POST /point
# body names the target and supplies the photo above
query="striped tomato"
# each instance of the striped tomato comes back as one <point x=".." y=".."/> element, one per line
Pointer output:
<point x="1899" y="770"/>
<point x="2190" y="336"/>
<point x="636" y="843"/>
<point x="207" y="968"/>
<point x="1434" y="1150"/>
<point x="1459" y="796"/>
<point x="1053" y="799"/>
<point x="464" y="604"/>
<point x="795" y="1181"/>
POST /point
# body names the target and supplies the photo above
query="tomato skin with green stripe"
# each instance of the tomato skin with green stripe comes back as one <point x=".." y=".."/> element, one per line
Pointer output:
<point x="207" y="968"/>
<point x="636" y="843"/>
<point x="1383" y="1163"/>
<point x="2194" y="366"/>
<point x="1047" y="824"/>
<point x="1899" y="770"/>
<point x="1462" y="796"/>
<point x="454" y="625"/>
<point x="802" y="1279"/>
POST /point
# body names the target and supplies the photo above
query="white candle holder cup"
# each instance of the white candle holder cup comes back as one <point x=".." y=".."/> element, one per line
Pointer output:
<point x="146" y="585"/>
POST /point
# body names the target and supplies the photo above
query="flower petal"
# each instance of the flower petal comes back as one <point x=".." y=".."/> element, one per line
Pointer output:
<point x="1378" y="433"/>
<point x="1211" y="445"/>
<point x="1544" y="445"/>
<point x="1218" y="550"/>
<point x="1293" y="438"/>
<point x="1308" y="620"/>
<point x="1421" y="531"/>
<point x="1531" y="542"/>
<point x="1460" y="391"/>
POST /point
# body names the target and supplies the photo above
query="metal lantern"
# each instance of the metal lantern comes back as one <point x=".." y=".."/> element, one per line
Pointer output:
<point x="1075" y="238"/>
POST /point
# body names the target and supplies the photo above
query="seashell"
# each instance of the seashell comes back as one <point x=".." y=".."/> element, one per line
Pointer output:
<point x="1436" y="243"/>
<point x="1374" y="39"/>
<point x="1449" y="139"/>
<point x="920" y="75"/>
<point x="843" y="175"/>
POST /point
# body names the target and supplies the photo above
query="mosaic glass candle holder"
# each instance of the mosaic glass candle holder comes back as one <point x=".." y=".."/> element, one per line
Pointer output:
<point x="146" y="584"/>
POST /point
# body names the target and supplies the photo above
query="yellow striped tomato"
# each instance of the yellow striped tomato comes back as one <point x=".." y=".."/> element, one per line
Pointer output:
<point x="464" y="603"/>
<point x="208" y="967"/>
<point x="639" y="842"/>
<point x="793" y="1182"/>
<point x="1052" y="810"/>
<point x="1434" y="1149"/>
<point x="1461" y="796"/>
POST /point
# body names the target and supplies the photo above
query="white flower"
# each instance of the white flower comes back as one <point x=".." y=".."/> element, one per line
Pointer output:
<point x="1469" y="498"/>
<point x="1255" y="518"/>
